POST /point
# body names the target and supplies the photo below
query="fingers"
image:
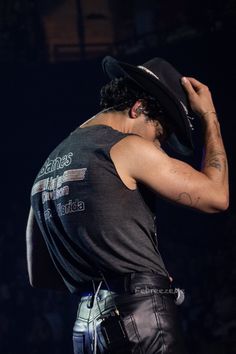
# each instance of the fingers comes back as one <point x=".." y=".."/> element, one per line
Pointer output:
<point x="197" y="84"/>
<point x="190" y="82"/>
<point x="195" y="81"/>
<point x="199" y="95"/>
<point x="188" y="86"/>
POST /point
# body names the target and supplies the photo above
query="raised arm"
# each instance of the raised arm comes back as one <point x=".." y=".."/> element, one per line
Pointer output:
<point x="214" y="162"/>
<point x="205" y="190"/>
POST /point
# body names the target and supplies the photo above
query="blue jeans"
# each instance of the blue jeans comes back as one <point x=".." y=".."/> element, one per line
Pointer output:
<point x="149" y="321"/>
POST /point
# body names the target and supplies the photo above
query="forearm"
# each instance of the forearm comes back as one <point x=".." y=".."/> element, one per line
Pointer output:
<point x="214" y="164"/>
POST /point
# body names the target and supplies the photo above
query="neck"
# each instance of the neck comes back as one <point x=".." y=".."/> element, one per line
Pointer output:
<point x="122" y="122"/>
<point x="116" y="120"/>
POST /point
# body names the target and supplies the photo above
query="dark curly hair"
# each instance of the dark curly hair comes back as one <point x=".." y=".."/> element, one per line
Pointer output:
<point x="121" y="94"/>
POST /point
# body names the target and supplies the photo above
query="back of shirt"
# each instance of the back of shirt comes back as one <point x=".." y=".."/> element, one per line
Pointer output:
<point x="89" y="219"/>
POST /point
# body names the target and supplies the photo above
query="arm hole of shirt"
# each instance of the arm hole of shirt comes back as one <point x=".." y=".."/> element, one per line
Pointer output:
<point x="108" y="151"/>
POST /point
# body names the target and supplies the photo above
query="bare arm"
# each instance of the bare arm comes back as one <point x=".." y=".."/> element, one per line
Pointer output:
<point x="41" y="270"/>
<point x="214" y="163"/>
<point x="205" y="190"/>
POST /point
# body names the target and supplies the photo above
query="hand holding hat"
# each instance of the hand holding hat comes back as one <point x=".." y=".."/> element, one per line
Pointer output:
<point x="199" y="97"/>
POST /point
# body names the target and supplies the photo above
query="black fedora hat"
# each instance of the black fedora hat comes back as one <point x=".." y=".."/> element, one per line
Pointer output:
<point x="161" y="80"/>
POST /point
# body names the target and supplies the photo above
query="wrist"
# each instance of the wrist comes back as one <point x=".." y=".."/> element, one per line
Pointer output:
<point x="203" y="114"/>
<point x="209" y="116"/>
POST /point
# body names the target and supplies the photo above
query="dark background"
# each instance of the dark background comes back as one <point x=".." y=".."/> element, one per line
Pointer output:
<point x="43" y="99"/>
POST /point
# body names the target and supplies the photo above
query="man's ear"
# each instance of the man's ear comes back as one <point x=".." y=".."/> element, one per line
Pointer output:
<point x="136" y="109"/>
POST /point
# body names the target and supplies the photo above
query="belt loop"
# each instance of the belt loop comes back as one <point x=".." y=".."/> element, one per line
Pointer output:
<point x="127" y="282"/>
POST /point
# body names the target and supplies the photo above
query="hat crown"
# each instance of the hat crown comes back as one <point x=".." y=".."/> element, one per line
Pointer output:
<point x="150" y="69"/>
<point x="153" y="65"/>
<point x="169" y="76"/>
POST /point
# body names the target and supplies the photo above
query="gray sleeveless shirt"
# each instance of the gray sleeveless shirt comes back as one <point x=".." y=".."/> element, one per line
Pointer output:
<point x="89" y="219"/>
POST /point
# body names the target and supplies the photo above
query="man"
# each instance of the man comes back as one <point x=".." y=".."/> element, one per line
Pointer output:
<point x="91" y="227"/>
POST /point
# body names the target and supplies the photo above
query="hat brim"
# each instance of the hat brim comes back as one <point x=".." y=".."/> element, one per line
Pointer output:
<point x="181" y="139"/>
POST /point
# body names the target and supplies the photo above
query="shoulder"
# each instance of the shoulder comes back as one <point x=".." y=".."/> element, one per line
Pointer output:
<point x="134" y="147"/>
<point x="136" y="157"/>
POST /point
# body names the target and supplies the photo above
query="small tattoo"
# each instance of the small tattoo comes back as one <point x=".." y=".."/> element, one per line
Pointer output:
<point x="216" y="162"/>
<point x="185" y="198"/>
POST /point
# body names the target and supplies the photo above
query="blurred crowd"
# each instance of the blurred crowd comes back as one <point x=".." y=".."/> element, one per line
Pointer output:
<point x="199" y="251"/>
<point x="36" y="321"/>
<point x="32" y="321"/>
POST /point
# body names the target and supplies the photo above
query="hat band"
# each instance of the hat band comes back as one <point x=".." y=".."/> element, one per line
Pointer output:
<point x="148" y="71"/>
<point x="188" y="116"/>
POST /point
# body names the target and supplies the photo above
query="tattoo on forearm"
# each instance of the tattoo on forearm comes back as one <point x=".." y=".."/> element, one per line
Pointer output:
<point x="216" y="161"/>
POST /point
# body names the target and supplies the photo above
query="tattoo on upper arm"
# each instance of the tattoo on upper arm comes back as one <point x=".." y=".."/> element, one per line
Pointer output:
<point x="185" y="198"/>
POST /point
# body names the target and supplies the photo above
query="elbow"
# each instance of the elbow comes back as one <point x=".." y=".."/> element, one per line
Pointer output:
<point x="219" y="206"/>
<point x="223" y="202"/>
<point x="214" y="201"/>
<point x="224" y="205"/>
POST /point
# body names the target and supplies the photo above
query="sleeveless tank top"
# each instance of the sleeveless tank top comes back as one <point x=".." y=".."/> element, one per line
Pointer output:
<point x="88" y="217"/>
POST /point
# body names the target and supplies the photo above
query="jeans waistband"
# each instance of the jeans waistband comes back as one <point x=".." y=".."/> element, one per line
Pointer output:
<point x="133" y="283"/>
